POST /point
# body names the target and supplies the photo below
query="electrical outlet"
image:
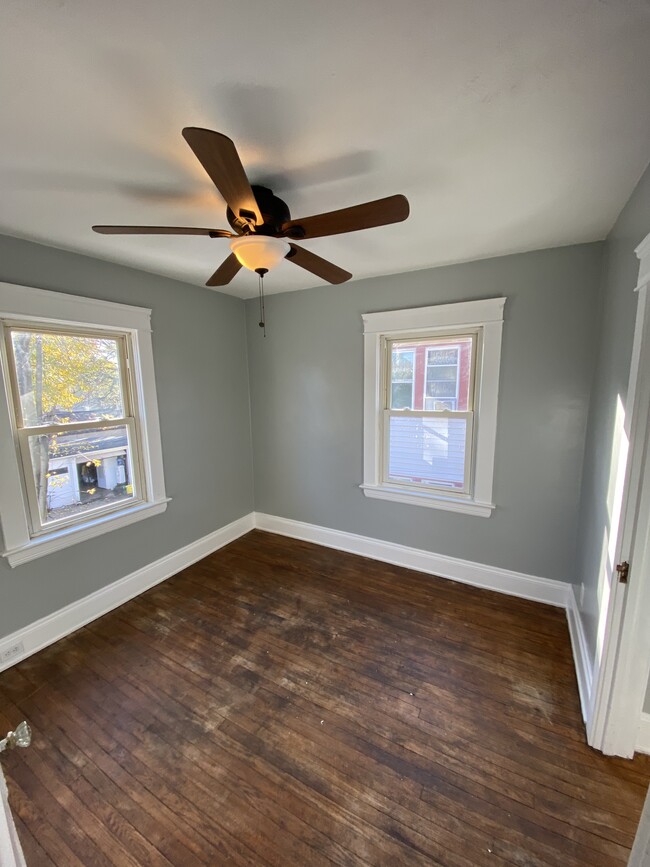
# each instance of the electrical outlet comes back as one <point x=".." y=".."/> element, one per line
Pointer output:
<point x="12" y="651"/>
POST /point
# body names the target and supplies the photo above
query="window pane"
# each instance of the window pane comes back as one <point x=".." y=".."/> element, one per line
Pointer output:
<point x="428" y="451"/>
<point x="439" y="368"/>
<point x="401" y="374"/>
<point x="64" y="377"/>
<point x="79" y="471"/>
<point x="402" y="366"/>
<point x="443" y="356"/>
<point x="446" y="373"/>
<point x="401" y="396"/>
<point x="437" y="388"/>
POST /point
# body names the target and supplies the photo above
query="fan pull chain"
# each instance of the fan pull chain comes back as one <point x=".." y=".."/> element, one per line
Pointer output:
<point x="262" y="323"/>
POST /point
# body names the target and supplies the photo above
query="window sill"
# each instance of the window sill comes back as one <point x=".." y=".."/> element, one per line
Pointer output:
<point x="430" y="501"/>
<point x="56" y="541"/>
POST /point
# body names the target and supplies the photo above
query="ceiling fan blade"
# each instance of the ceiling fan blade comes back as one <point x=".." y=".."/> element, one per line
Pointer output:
<point x="162" y="230"/>
<point x="225" y="272"/>
<point x="218" y="156"/>
<point x="317" y="265"/>
<point x="381" y="212"/>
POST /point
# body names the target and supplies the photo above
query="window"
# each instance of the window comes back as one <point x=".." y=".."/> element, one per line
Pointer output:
<point x="81" y="446"/>
<point x="430" y="373"/>
<point x="427" y="442"/>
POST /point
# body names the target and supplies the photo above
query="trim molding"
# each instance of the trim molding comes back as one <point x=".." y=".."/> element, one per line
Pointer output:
<point x="544" y="590"/>
<point x="488" y="577"/>
<point x="486" y="318"/>
<point x="643" y="254"/>
<point x="42" y="545"/>
<point x="49" y="629"/>
<point x="17" y="493"/>
<point x="12" y="853"/>
<point x="28" y="301"/>
<point x="581" y="658"/>
<point x="449" y="504"/>
<point x="643" y="737"/>
<point x="438" y="316"/>
<point x="55" y="626"/>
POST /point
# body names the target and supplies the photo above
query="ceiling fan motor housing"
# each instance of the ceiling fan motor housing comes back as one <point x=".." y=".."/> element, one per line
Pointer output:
<point x="274" y="211"/>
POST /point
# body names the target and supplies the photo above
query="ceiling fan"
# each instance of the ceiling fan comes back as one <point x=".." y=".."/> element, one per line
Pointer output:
<point x="263" y="231"/>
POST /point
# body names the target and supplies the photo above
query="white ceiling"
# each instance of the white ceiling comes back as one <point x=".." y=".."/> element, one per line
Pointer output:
<point x="509" y="124"/>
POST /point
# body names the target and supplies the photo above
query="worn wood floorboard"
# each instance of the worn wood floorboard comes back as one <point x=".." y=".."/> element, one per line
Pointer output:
<point x="284" y="704"/>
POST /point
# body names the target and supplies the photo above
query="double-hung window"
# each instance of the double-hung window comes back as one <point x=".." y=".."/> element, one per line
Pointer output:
<point x="427" y="443"/>
<point x="75" y="422"/>
<point x="81" y="446"/>
<point x="431" y="388"/>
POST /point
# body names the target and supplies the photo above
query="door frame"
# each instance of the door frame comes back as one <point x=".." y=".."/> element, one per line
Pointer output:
<point x="621" y="672"/>
<point x="11" y="852"/>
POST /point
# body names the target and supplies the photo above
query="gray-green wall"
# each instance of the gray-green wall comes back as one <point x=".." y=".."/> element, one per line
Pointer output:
<point x="611" y="372"/>
<point x="202" y="384"/>
<point x="307" y="398"/>
<point x="568" y="334"/>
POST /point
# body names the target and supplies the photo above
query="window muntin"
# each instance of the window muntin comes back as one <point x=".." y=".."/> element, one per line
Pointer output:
<point x="429" y="445"/>
<point x="74" y="422"/>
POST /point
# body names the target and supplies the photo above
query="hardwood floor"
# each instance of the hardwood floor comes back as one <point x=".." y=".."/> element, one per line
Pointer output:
<point x="284" y="704"/>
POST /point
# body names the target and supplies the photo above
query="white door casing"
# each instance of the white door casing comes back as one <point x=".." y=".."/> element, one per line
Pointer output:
<point x="621" y="670"/>
<point x="640" y="854"/>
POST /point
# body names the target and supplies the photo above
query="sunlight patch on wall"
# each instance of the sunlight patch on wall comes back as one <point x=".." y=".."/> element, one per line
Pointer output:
<point x="615" y="489"/>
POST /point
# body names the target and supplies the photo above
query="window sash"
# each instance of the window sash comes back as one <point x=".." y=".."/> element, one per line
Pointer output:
<point x="389" y="345"/>
<point x="429" y="486"/>
<point x="22" y="433"/>
<point x="38" y="526"/>
<point x="124" y="353"/>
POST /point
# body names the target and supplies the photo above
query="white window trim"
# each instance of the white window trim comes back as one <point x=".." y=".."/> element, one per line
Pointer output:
<point x="487" y="315"/>
<point x="56" y="308"/>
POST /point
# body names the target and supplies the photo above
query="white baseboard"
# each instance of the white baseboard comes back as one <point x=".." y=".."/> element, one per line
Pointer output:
<point x="61" y="623"/>
<point x="489" y="577"/>
<point x="581" y="658"/>
<point x="55" y="626"/>
<point x="643" y="737"/>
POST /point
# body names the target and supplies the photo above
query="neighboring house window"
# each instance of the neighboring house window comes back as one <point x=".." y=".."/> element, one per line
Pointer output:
<point x="80" y="418"/>
<point x="402" y="378"/>
<point x="430" y="405"/>
<point x="442" y="377"/>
